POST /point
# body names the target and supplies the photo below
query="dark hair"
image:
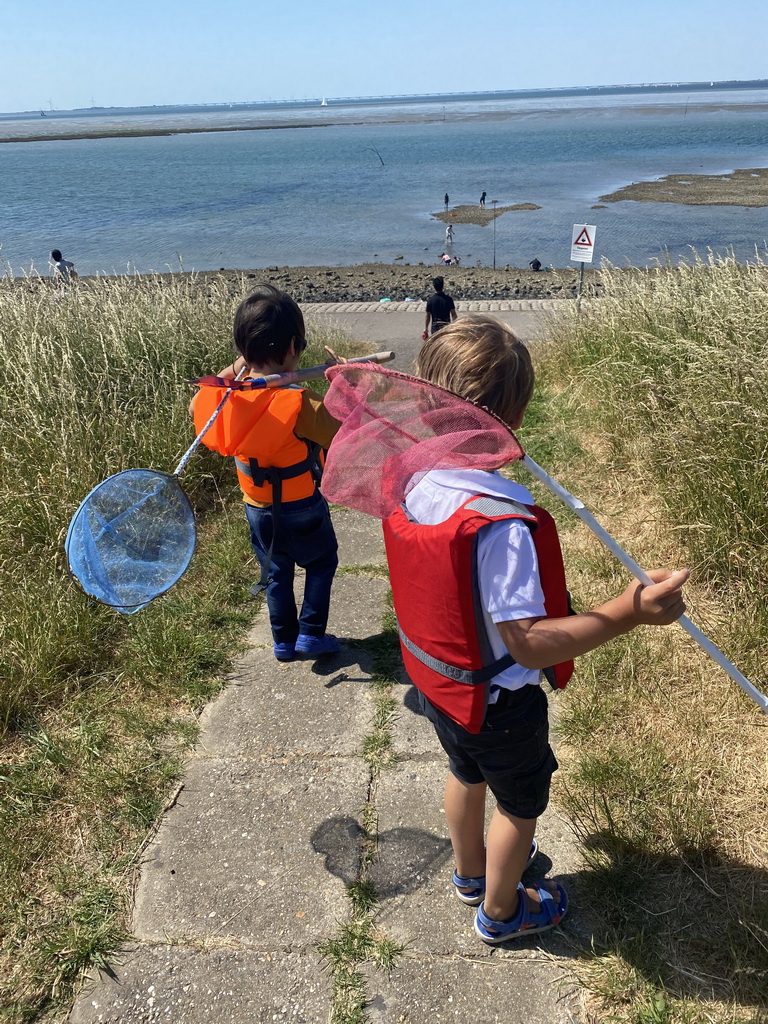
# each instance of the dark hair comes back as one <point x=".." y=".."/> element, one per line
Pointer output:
<point x="56" y="254"/>
<point x="266" y="322"/>
<point x="438" y="283"/>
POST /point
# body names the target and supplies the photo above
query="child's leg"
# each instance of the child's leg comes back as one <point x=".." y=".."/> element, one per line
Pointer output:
<point x="465" y="814"/>
<point x="509" y="846"/>
<point x="280" y="600"/>
<point x="315" y="549"/>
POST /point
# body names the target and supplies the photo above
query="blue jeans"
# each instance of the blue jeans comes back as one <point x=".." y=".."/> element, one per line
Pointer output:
<point x="305" y="537"/>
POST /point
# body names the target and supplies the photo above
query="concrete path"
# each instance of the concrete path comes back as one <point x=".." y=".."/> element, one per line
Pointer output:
<point x="309" y="822"/>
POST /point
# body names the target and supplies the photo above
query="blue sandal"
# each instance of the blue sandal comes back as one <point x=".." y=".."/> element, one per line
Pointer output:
<point x="476" y="886"/>
<point x="524" y="922"/>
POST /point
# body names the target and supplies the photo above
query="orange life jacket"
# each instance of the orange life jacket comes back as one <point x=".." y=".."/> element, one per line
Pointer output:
<point x="257" y="428"/>
<point x="436" y="596"/>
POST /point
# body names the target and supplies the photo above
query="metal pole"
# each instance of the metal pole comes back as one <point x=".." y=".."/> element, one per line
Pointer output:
<point x="581" y="285"/>
<point x="577" y="506"/>
<point x="493" y="204"/>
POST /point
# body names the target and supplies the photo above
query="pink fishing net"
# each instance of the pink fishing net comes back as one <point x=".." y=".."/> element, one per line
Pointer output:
<point x="396" y="428"/>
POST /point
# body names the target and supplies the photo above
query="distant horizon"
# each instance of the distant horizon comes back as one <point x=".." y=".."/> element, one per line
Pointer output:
<point x="724" y="84"/>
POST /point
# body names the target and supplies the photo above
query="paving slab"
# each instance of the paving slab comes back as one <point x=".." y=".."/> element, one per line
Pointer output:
<point x="361" y="540"/>
<point x="242" y="853"/>
<point x="487" y="989"/>
<point x="412" y="734"/>
<point x="413" y="869"/>
<point x="174" y="985"/>
<point x="256" y="716"/>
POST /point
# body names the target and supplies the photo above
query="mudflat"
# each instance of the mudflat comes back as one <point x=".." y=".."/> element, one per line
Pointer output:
<point x="744" y="187"/>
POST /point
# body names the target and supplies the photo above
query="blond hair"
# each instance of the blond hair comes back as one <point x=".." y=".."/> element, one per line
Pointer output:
<point x="480" y="358"/>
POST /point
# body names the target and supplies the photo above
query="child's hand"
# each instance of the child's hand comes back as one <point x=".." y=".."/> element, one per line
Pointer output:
<point x="660" y="603"/>
<point x="334" y="360"/>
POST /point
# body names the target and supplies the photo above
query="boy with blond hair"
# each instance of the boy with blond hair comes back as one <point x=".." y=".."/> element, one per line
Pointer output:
<point x="486" y="533"/>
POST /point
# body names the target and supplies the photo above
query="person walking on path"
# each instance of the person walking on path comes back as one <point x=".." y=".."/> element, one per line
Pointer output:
<point x="63" y="270"/>
<point x="276" y="437"/>
<point x="482" y="201"/>
<point x="479" y="590"/>
<point x="441" y="309"/>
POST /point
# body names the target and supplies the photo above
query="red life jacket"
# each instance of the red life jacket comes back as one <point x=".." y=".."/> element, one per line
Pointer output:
<point x="433" y="573"/>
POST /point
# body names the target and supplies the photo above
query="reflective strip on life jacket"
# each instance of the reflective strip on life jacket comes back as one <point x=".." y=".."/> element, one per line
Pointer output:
<point x="433" y="572"/>
<point x="471" y="677"/>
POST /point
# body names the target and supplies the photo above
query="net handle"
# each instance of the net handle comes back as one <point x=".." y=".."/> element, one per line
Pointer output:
<point x="274" y="380"/>
<point x="212" y="419"/>
<point x="628" y="562"/>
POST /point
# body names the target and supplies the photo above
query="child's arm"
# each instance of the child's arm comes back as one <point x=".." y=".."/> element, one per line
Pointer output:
<point x="539" y="643"/>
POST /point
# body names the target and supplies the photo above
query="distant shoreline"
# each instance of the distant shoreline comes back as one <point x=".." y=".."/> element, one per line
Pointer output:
<point x="142" y="133"/>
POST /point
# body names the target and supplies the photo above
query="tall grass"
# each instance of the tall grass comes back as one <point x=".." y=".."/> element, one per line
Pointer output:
<point x="664" y="383"/>
<point x="96" y="708"/>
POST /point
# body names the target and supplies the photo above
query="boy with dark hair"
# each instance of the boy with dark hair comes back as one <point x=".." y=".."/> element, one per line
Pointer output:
<point x="441" y="309"/>
<point x="276" y="437"/>
<point x="479" y="591"/>
<point x="63" y="269"/>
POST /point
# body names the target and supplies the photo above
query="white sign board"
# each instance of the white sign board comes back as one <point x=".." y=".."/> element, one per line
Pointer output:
<point x="583" y="243"/>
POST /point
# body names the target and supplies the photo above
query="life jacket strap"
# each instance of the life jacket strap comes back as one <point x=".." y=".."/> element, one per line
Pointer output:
<point x="274" y="476"/>
<point x="472" y="677"/>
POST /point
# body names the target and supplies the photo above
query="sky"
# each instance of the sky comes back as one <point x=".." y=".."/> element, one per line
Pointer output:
<point x="79" y="53"/>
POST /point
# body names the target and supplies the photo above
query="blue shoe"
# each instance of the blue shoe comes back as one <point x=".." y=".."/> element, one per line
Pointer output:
<point x="284" y="652"/>
<point x="476" y="886"/>
<point x="551" y="912"/>
<point x="317" y="645"/>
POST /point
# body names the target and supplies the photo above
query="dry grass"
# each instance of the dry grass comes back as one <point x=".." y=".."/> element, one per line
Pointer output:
<point x="664" y="762"/>
<point x="96" y="709"/>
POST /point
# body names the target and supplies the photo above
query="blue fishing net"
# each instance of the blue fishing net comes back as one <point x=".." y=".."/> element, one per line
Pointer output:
<point x="131" y="538"/>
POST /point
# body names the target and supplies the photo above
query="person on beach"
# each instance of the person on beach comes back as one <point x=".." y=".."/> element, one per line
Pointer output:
<point x="535" y="264"/>
<point x="477" y="580"/>
<point x="441" y="309"/>
<point x="482" y="201"/>
<point x="446" y="200"/>
<point x="63" y="270"/>
<point x="277" y="437"/>
<point x="449" y="235"/>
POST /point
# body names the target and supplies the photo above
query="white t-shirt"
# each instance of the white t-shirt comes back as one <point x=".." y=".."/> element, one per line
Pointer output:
<point x="64" y="269"/>
<point x="507" y="567"/>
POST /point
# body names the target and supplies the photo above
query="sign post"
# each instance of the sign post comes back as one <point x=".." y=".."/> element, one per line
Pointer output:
<point x="582" y="248"/>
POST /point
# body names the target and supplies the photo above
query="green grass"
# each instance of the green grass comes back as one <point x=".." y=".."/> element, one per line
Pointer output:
<point x="97" y="709"/>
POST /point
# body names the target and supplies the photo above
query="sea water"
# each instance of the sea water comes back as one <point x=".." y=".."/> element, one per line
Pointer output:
<point x="362" y="183"/>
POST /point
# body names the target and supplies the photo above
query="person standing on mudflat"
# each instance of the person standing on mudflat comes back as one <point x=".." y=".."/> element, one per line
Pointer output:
<point x="440" y="309"/>
<point x="447" y="200"/>
<point x="482" y="201"/>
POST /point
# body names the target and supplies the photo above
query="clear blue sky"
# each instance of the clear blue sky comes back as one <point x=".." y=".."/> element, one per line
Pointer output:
<point x="131" y="52"/>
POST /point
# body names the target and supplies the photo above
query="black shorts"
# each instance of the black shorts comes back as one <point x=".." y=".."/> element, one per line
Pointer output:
<point x="511" y="752"/>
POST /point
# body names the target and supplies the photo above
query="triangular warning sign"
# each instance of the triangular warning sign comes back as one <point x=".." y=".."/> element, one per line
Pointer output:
<point x="583" y="238"/>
